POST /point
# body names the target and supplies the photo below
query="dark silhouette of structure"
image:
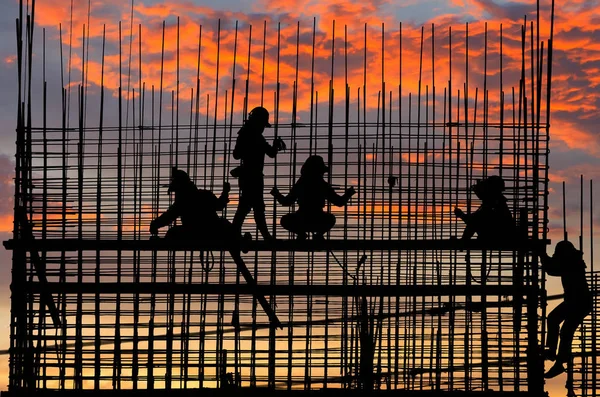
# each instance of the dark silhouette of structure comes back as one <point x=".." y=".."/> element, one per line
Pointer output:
<point x="566" y="263"/>
<point x="492" y="221"/>
<point x="251" y="148"/>
<point x="311" y="192"/>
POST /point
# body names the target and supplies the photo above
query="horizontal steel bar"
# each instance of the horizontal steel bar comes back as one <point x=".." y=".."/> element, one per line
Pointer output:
<point x="262" y="392"/>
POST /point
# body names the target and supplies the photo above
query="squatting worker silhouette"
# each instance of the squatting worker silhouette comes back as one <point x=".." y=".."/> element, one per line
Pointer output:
<point x="311" y="191"/>
<point x="251" y="147"/>
<point x="567" y="262"/>
<point x="197" y="209"/>
<point x="493" y="220"/>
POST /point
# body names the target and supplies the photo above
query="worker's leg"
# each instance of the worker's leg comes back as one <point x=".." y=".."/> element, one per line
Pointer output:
<point x="556" y="316"/>
<point x="327" y="222"/>
<point x="293" y="223"/>
<point x="475" y="223"/>
<point x="178" y="233"/>
<point x="258" y="204"/>
<point x="554" y="319"/>
<point x="261" y="221"/>
<point x="224" y="230"/>
<point x="243" y="210"/>
<point x="322" y="223"/>
<point x="573" y="319"/>
<point x="470" y="230"/>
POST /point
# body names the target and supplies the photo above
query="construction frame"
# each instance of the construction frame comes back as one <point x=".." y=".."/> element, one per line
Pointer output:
<point x="393" y="299"/>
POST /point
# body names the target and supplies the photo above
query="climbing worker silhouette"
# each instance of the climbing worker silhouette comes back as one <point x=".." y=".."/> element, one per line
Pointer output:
<point x="567" y="262"/>
<point x="251" y="147"/>
<point x="197" y="209"/>
<point x="311" y="191"/>
<point x="493" y="220"/>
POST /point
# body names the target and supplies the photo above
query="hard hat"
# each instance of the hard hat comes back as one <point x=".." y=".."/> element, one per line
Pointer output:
<point x="260" y="114"/>
<point x="564" y="248"/>
<point x="496" y="183"/>
<point x="179" y="178"/>
<point x="314" y="165"/>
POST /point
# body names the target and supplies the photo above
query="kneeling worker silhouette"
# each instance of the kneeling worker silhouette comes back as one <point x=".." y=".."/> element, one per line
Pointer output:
<point x="197" y="209"/>
<point x="567" y="262"/>
<point x="311" y="191"/>
<point x="492" y="221"/>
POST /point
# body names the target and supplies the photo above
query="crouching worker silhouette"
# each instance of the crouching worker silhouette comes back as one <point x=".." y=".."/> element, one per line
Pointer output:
<point x="311" y="191"/>
<point x="197" y="209"/>
<point x="567" y="262"/>
<point x="251" y="147"/>
<point x="492" y="221"/>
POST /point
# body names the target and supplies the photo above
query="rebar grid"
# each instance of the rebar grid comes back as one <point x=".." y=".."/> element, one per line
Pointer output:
<point x="439" y="319"/>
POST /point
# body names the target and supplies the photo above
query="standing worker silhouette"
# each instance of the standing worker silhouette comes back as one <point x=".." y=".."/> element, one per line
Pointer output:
<point x="492" y="221"/>
<point x="567" y="262"/>
<point x="251" y="147"/>
<point x="311" y="191"/>
<point x="197" y="209"/>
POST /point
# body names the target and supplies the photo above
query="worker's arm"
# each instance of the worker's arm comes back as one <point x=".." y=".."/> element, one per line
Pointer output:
<point x="222" y="201"/>
<point x="550" y="265"/>
<point x="237" y="150"/>
<point x="336" y="199"/>
<point x="271" y="151"/>
<point x="278" y="145"/>
<point x="460" y="214"/>
<point x="284" y="200"/>
<point x="164" y="219"/>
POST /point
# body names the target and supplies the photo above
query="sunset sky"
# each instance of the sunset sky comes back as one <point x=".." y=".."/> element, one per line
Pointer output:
<point x="575" y="141"/>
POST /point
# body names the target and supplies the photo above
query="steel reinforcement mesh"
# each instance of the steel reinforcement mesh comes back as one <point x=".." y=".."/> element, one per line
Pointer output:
<point x="364" y="313"/>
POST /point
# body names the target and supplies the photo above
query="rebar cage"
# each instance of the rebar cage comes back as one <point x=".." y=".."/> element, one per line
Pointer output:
<point x="392" y="299"/>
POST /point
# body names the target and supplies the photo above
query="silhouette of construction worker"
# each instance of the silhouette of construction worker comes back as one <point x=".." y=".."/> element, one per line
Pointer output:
<point x="567" y="263"/>
<point x="197" y="209"/>
<point x="251" y="147"/>
<point x="311" y="191"/>
<point x="493" y="220"/>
